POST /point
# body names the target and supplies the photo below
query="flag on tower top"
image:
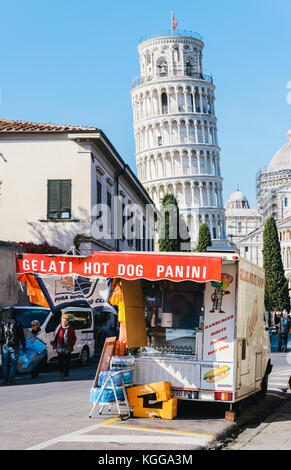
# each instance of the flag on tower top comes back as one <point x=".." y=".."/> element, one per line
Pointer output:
<point x="174" y="22"/>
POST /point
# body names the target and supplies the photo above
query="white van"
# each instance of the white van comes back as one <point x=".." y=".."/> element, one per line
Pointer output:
<point x="82" y="319"/>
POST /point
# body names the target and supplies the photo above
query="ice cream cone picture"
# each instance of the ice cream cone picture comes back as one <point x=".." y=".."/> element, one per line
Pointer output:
<point x="221" y="289"/>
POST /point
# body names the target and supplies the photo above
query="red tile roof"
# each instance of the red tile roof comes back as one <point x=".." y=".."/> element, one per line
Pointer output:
<point x="25" y="126"/>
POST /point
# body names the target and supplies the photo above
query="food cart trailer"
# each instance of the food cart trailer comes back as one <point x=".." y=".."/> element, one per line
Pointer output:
<point x="192" y="319"/>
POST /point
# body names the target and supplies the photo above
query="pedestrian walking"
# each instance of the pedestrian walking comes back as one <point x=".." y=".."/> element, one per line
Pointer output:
<point x="283" y="330"/>
<point x="11" y="337"/>
<point x="63" y="343"/>
<point x="37" y="331"/>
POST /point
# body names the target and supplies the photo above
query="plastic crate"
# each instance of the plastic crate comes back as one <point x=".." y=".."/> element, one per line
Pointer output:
<point x="162" y="391"/>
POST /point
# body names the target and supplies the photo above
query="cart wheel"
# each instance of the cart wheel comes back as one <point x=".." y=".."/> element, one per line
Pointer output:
<point x="124" y="417"/>
<point x="237" y="406"/>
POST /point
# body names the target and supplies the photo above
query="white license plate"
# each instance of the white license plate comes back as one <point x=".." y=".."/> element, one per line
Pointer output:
<point x="185" y="394"/>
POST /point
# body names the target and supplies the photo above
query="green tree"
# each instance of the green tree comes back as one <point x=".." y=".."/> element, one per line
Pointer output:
<point x="204" y="238"/>
<point x="276" y="284"/>
<point x="173" y="234"/>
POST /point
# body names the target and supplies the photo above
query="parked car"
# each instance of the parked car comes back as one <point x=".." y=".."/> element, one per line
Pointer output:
<point x="81" y="318"/>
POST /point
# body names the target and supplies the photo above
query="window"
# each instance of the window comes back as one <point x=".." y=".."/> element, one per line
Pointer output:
<point x="53" y="322"/>
<point x="243" y="350"/>
<point x="188" y="68"/>
<point x="124" y="218"/>
<point x="162" y="67"/>
<point x="59" y="199"/>
<point x="138" y="240"/>
<point x="99" y="192"/>
<point x="143" y="239"/>
<point x="80" y="320"/>
<point x="174" y="332"/>
<point x="26" y="314"/>
<point x="164" y="103"/>
<point x="109" y="213"/>
<point x="286" y="202"/>
<point x="99" y="197"/>
<point x="191" y="103"/>
<point x="130" y="233"/>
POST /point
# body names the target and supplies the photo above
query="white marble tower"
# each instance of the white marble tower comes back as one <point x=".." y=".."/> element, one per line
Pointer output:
<point x="175" y="129"/>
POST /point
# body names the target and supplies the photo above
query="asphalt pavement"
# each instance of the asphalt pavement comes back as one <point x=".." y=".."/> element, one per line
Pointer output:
<point x="49" y="414"/>
<point x="273" y="432"/>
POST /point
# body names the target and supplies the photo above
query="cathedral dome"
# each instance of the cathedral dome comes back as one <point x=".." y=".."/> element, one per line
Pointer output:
<point x="237" y="200"/>
<point x="282" y="159"/>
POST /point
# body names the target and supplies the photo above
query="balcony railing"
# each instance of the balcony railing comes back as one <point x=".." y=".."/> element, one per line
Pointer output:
<point x="164" y="73"/>
<point x="178" y="32"/>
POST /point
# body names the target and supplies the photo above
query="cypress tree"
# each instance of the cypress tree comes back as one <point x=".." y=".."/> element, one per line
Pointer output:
<point x="204" y="239"/>
<point x="168" y="227"/>
<point x="172" y="226"/>
<point x="276" y="284"/>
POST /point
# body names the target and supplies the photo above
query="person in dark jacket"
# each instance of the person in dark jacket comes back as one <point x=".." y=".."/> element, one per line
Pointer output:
<point x="63" y="343"/>
<point x="11" y="337"/>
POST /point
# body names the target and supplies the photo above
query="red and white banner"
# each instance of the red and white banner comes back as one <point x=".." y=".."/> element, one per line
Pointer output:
<point x="151" y="266"/>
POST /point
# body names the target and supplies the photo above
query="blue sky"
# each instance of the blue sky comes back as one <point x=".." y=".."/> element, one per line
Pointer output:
<point x="73" y="62"/>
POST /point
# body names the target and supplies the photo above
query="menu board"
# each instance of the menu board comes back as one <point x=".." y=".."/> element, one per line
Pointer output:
<point x="219" y="319"/>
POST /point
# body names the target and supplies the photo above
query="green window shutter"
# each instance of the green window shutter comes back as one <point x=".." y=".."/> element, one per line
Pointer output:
<point x="59" y="199"/>
<point x="65" y="191"/>
<point x="53" y="192"/>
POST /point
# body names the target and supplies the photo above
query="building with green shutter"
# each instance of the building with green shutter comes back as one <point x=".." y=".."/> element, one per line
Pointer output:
<point x="61" y="183"/>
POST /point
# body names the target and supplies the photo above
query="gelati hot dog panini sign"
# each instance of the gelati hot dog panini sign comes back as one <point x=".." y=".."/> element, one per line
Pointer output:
<point x="124" y="265"/>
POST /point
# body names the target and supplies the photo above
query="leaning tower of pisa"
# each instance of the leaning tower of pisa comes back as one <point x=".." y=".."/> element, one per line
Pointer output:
<point x="175" y="129"/>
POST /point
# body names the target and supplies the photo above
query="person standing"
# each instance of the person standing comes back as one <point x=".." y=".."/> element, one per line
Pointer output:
<point x="36" y="331"/>
<point x="11" y="337"/>
<point x="63" y="343"/>
<point x="283" y="330"/>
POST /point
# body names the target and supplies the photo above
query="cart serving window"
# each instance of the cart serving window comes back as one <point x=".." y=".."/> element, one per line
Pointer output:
<point x="174" y="314"/>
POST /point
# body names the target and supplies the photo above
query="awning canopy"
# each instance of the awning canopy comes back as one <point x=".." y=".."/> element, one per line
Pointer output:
<point x="135" y="265"/>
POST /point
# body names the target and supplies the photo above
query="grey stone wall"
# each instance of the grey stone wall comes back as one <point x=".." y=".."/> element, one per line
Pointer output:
<point x="10" y="290"/>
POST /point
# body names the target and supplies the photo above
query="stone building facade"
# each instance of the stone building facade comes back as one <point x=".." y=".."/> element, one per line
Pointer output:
<point x="10" y="289"/>
<point x="240" y="218"/>
<point x="175" y="130"/>
<point x="273" y="199"/>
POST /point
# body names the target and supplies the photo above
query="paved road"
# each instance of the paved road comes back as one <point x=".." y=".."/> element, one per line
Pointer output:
<point x="46" y="413"/>
<point x="273" y="432"/>
<point x="278" y="380"/>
